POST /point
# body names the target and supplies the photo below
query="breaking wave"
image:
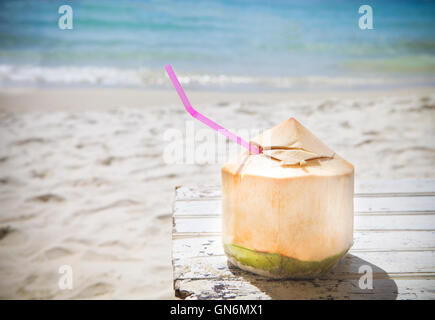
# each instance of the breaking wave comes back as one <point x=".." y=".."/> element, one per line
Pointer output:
<point x="12" y="75"/>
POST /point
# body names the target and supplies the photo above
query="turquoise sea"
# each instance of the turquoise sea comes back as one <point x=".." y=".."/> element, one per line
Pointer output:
<point x="220" y="44"/>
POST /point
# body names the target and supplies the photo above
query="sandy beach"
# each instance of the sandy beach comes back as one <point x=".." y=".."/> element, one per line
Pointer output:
<point x="83" y="181"/>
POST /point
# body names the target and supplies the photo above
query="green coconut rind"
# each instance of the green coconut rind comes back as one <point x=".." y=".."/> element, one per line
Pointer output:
<point x="279" y="266"/>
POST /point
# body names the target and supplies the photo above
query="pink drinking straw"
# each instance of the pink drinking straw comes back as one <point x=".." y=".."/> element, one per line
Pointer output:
<point x="252" y="148"/>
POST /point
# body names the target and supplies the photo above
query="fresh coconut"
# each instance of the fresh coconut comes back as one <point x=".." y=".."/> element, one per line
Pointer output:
<point x="287" y="212"/>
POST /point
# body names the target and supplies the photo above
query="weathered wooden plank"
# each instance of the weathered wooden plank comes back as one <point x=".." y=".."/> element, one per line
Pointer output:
<point x="202" y="208"/>
<point x="316" y="289"/>
<point x="394" y="222"/>
<point x="383" y="264"/>
<point x="394" y="204"/>
<point x="405" y="205"/>
<point x="397" y="241"/>
<point x="361" y="223"/>
<point x="196" y="225"/>
<point x="197" y="247"/>
<point x="211" y="246"/>
<point x="363" y="241"/>
<point x="363" y="188"/>
<point x="197" y="192"/>
<point x="400" y="187"/>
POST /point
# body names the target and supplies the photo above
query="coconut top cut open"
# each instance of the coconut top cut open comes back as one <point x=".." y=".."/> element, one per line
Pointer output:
<point x="292" y="143"/>
<point x="289" y="149"/>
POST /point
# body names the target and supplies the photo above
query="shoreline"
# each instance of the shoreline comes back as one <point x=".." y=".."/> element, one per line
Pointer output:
<point x="75" y="99"/>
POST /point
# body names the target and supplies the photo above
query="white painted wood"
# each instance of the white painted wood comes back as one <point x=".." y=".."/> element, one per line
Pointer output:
<point x="363" y="242"/>
<point x="404" y="205"/>
<point x="394" y="222"/>
<point x="197" y="192"/>
<point x="394" y="241"/>
<point x="197" y="247"/>
<point x="197" y="208"/>
<point x="361" y="223"/>
<point x="394" y="204"/>
<point x="402" y="187"/>
<point x="386" y="289"/>
<point x="411" y="187"/>
<point x="398" y="265"/>
<point x="394" y="234"/>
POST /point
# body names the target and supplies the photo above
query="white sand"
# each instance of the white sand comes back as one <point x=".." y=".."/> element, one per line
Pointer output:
<point x="83" y="181"/>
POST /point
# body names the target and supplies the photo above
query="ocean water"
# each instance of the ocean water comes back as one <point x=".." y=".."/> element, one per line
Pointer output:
<point x="229" y="44"/>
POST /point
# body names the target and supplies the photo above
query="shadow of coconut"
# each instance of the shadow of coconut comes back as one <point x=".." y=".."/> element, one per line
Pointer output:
<point x="343" y="282"/>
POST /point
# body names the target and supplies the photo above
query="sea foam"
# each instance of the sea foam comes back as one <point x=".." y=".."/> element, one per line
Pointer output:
<point x="12" y="75"/>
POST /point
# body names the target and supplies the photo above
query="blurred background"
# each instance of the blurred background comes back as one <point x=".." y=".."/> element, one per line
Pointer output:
<point x="287" y="45"/>
<point x="85" y="113"/>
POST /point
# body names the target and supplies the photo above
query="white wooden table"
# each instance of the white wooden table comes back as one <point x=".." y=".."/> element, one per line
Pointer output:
<point x="394" y="235"/>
